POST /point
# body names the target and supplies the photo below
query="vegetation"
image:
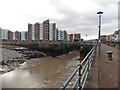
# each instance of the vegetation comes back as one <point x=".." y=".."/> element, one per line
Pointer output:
<point x="8" y="46"/>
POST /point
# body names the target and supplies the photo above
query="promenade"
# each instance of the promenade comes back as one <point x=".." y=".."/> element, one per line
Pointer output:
<point x="104" y="74"/>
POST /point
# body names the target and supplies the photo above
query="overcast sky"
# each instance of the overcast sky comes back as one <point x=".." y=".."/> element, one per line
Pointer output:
<point x="74" y="16"/>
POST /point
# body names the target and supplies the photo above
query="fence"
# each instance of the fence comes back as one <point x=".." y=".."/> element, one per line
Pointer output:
<point x="81" y="73"/>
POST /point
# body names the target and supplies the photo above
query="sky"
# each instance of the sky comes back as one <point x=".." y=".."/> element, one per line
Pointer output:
<point x="74" y="16"/>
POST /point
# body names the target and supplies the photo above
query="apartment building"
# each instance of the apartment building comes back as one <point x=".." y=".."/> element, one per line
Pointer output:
<point x="4" y="34"/>
<point x="46" y="30"/>
<point x="41" y="32"/>
<point x="36" y="31"/>
<point x="68" y="37"/>
<point x="29" y="31"/>
<point x="17" y="35"/>
<point x="77" y="37"/>
<point x="23" y="36"/>
<point x="71" y="38"/>
<point x="110" y="38"/>
<point x="56" y="34"/>
<point x="52" y="28"/>
<point x="10" y="35"/>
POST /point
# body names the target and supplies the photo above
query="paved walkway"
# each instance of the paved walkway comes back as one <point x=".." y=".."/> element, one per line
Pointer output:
<point x="104" y="74"/>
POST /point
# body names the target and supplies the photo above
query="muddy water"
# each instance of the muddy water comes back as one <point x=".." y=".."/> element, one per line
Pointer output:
<point x="48" y="72"/>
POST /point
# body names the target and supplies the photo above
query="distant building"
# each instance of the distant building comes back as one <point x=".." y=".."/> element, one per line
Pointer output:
<point x="52" y="28"/>
<point x="23" y="35"/>
<point x="62" y="34"/>
<point x="103" y="38"/>
<point x="71" y="38"/>
<point x="59" y="35"/>
<point x="36" y="31"/>
<point x="65" y="35"/>
<point x="30" y="32"/>
<point x="56" y="34"/>
<point x="41" y="31"/>
<point x="77" y="37"/>
<point x="10" y="35"/>
<point x="46" y="30"/>
<point x="110" y="38"/>
<point x="4" y="34"/>
<point x="68" y="37"/>
<point x="33" y="32"/>
<point x="14" y="36"/>
<point x="17" y="35"/>
<point x="116" y="36"/>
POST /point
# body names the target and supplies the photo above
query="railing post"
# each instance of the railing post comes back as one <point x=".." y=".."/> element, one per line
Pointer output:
<point x="80" y="86"/>
<point x="88" y="70"/>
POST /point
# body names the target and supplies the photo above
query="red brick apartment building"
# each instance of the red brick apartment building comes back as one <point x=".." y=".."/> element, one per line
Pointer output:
<point x="46" y="30"/>
<point x="37" y="25"/>
<point x="29" y="31"/>
<point x="10" y="35"/>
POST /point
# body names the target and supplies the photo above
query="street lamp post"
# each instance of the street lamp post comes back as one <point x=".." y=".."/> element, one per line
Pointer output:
<point x="99" y="13"/>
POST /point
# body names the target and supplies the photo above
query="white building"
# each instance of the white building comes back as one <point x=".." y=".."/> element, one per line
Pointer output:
<point x="62" y="34"/>
<point x="41" y="31"/>
<point x="23" y="35"/>
<point x="51" y="31"/>
<point x="68" y="37"/>
<point x="14" y="36"/>
<point x="4" y="34"/>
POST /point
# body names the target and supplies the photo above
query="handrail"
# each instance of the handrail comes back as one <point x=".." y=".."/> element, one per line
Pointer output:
<point x="83" y="69"/>
<point x="71" y="76"/>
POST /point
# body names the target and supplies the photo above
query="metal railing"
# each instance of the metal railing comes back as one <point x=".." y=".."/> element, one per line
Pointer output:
<point x="81" y="73"/>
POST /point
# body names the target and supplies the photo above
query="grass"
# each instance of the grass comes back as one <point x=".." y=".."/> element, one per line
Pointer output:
<point x="8" y="46"/>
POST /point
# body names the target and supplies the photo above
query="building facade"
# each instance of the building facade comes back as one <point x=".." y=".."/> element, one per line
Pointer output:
<point x="29" y="32"/>
<point x="52" y="28"/>
<point x="17" y="35"/>
<point x="36" y="31"/>
<point x="71" y="38"/>
<point x="10" y="35"/>
<point x="41" y="32"/>
<point x="62" y="34"/>
<point x="77" y="37"/>
<point x="110" y="38"/>
<point x="46" y="30"/>
<point x="68" y="37"/>
<point x="4" y="34"/>
<point x="59" y="35"/>
<point x="103" y="38"/>
<point x="23" y="35"/>
<point x="56" y="34"/>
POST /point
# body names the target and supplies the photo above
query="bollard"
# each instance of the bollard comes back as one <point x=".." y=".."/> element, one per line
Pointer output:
<point x="109" y="55"/>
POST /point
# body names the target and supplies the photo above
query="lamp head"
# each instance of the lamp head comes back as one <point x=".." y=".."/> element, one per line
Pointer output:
<point x="99" y="12"/>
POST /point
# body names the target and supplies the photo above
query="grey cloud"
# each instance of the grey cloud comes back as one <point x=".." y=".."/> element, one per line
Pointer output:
<point x="87" y="23"/>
